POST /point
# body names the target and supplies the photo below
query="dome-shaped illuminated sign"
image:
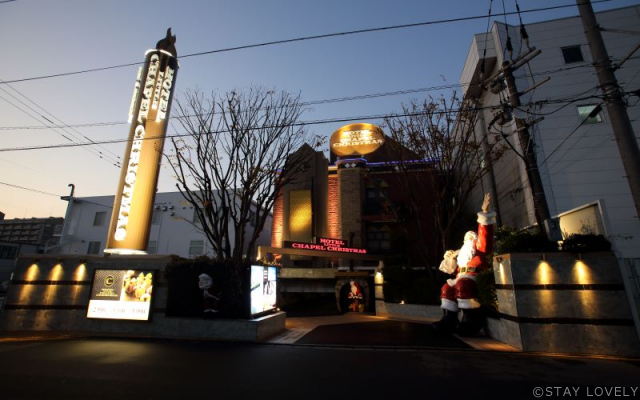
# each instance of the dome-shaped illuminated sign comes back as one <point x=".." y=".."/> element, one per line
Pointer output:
<point x="356" y="139"/>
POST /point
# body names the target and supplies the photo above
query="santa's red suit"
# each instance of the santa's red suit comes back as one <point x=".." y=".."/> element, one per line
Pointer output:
<point x="469" y="261"/>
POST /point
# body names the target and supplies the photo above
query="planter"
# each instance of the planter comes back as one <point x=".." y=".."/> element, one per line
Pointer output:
<point x="564" y="303"/>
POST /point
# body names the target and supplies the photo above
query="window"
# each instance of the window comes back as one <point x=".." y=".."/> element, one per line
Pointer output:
<point x="572" y="54"/>
<point x="94" y="248"/>
<point x="8" y="252"/>
<point x="152" y="247"/>
<point x="252" y="218"/>
<point x="99" y="218"/>
<point x="157" y="216"/>
<point x="378" y="237"/>
<point x="196" y="248"/>
<point x="195" y="219"/>
<point x="584" y="111"/>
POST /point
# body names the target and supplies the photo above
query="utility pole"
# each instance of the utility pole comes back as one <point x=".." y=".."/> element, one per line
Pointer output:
<point x="622" y="130"/>
<point x="543" y="217"/>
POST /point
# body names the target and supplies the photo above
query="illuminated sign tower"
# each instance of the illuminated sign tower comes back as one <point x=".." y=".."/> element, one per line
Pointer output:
<point x="148" y="115"/>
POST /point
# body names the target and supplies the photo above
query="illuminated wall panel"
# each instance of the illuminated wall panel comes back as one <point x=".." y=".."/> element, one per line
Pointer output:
<point x="300" y="215"/>
<point x="333" y="207"/>
<point x="278" y="222"/>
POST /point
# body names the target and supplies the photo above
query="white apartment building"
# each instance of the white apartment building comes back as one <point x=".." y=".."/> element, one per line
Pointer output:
<point x="174" y="227"/>
<point x="584" y="181"/>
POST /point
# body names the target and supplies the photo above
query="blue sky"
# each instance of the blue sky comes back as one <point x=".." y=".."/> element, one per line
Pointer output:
<point x="44" y="37"/>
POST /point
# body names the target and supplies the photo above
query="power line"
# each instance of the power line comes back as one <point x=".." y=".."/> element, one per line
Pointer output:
<point x="29" y="189"/>
<point x="305" y="38"/>
<point x="65" y="135"/>
<point x="303" y="104"/>
<point x="302" y="123"/>
<point x="65" y="128"/>
<point x="315" y="102"/>
<point x="592" y="114"/>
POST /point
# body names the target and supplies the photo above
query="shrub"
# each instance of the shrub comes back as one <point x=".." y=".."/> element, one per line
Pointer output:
<point x="510" y="240"/>
<point x="487" y="295"/>
<point x="582" y="243"/>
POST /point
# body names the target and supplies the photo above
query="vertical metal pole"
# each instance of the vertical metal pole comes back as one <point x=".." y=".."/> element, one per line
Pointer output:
<point x="484" y="137"/>
<point x="533" y="173"/>
<point x="622" y="129"/>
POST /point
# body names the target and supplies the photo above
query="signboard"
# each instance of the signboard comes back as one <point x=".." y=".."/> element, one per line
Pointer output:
<point x="356" y="139"/>
<point x="324" y="244"/>
<point x="263" y="289"/>
<point x="148" y="115"/>
<point x="121" y="294"/>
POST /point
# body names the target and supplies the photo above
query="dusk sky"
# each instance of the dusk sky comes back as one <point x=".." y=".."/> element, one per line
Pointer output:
<point x="45" y="37"/>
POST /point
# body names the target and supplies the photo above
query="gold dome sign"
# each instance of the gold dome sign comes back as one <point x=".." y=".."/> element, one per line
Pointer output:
<point x="356" y="139"/>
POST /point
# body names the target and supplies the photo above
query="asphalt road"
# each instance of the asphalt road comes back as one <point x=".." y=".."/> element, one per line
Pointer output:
<point x="114" y="369"/>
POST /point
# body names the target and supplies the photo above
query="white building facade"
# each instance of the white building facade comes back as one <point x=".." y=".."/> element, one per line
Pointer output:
<point x="585" y="184"/>
<point x="579" y="164"/>
<point x="174" y="227"/>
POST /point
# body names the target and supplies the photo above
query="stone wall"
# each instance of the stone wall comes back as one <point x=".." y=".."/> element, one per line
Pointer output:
<point x="559" y="303"/>
<point x="51" y="293"/>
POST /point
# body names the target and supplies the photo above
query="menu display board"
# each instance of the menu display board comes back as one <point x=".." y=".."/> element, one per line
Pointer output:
<point x="121" y="294"/>
<point x="263" y="289"/>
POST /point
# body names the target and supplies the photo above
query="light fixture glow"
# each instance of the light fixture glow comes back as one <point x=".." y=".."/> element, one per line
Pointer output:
<point x="32" y="272"/>
<point x="80" y="272"/>
<point x="544" y="272"/>
<point x="582" y="273"/>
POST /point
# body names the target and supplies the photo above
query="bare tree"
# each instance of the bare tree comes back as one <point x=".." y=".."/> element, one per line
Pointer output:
<point x="230" y="166"/>
<point x="441" y="133"/>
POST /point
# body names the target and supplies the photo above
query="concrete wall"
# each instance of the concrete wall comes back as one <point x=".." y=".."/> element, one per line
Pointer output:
<point x="417" y="312"/>
<point x="557" y="303"/>
<point x="51" y="293"/>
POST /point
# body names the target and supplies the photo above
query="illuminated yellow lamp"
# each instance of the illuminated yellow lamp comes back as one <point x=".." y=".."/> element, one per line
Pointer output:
<point x="501" y="273"/>
<point x="401" y="301"/>
<point x="32" y="272"/>
<point x="379" y="278"/>
<point x="56" y="272"/>
<point x="543" y="273"/>
<point x="80" y="272"/>
<point x="582" y="273"/>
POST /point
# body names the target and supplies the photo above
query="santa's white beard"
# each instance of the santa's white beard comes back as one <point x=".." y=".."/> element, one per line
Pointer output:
<point x="466" y="253"/>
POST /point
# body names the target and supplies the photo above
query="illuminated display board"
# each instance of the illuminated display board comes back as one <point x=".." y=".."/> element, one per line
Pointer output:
<point x="263" y="289"/>
<point x="325" y="244"/>
<point x="356" y="139"/>
<point x="121" y="294"/>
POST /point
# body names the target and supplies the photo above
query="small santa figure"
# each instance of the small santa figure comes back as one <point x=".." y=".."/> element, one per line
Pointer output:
<point x="210" y="299"/>
<point x="355" y="297"/>
<point x="467" y="262"/>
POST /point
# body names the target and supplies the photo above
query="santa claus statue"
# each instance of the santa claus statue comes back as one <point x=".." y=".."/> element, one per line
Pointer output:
<point x="461" y="293"/>
<point x="355" y="297"/>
